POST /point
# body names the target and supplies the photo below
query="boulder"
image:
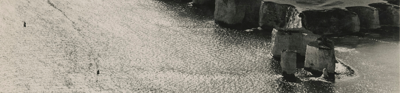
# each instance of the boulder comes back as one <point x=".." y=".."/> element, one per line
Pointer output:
<point x="369" y="17"/>
<point x="331" y="21"/>
<point x="275" y="15"/>
<point x="320" y="58"/>
<point x="291" y="39"/>
<point x="288" y="64"/>
<point x="388" y="14"/>
<point x="243" y="13"/>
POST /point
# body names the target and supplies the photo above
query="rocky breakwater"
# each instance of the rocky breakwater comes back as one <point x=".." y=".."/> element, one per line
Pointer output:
<point x="300" y="48"/>
<point x="323" y="17"/>
<point x="300" y="27"/>
<point x="237" y="13"/>
<point x="334" y="17"/>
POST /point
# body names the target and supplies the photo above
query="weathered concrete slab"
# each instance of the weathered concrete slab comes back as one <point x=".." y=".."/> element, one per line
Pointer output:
<point x="288" y="64"/>
<point x="369" y="17"/>
<point x="292" y="39"/>
<point x="332" y="21"/>
<point x="388" y="14"/>
<point x="244" y="13"/>
<point x="229" y="12"/>
<point x="277" y="15"/>
<point x="320" y="58"/>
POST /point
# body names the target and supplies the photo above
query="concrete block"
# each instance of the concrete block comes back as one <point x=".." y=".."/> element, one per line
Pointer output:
<point x="243" y="13"/>
<point x="388" y="14"/>
<point x="288" y="64"/>
<point x="332" y="21"/>
<point x="275" y="15"/>
<point x="291" y="39"/>
<point x="369" y="17"/>
<point x="320" y="58"/>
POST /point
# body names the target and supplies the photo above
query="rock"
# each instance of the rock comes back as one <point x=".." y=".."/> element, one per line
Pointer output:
<point x="243" y="13"/>
<point x="388" y="14"/>
<point x="369" y="17"/>
<point x="203" y="2"/>
<point x="279" y="16"/>
<point x="320" y="56"/>
<point x="288" y="64"/>
<point x="292" y="39"/>
<point x="396" y="2"/>
<point x="343" y="71"/>
<point x="332" y="21"/>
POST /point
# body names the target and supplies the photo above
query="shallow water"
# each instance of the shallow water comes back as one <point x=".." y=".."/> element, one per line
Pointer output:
<point x="160" y="46"/>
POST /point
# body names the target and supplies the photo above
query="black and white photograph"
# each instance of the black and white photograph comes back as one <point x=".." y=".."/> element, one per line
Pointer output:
<point x="199" y="46"/>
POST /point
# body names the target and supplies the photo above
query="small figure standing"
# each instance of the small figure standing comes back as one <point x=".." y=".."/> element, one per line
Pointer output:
<point x="24" y="24"/>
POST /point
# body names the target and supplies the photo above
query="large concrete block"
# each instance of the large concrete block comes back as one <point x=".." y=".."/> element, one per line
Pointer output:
<point x="275" y="15"/>
<point x="291" y="39"/>
<point x="320" y="58"/>
<point x="243" y="13"/>
<point x="229" y="12"/>
<point x="388" y="14"/>
<point x="369" y="17"/>
<point x="332" y="21"/>
<point x="288" y="64"/>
